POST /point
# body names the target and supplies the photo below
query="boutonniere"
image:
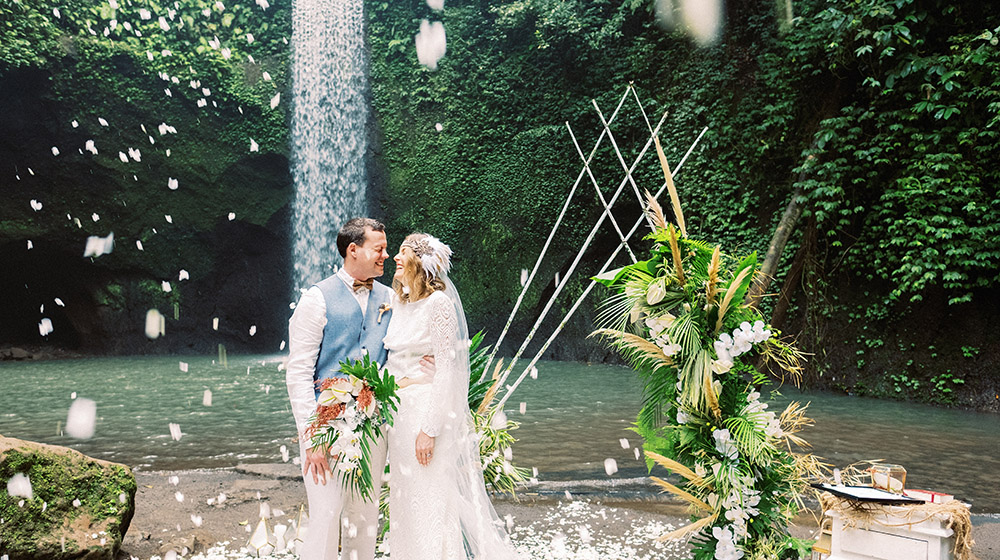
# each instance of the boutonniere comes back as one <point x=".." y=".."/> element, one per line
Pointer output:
<point x="382" y="309"/>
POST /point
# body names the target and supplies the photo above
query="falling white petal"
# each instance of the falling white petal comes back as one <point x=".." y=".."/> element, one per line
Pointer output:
<point x="154" y="324"/>
<point x="183" y="275"/>
<point x="145" y="14"/>
<point x="183" y="366"/>
<point x="624" y="443"/>
<point x="75" y="123"/>
<point x="266" y="76"/>
<point x="206" y="399"/>
<point x="45" y="326"/>
<point x="172" y="183"/>
<point x="19" y="486"/>
<point x="169" y="219"/>
<point x="282" y="347"/>
<point x="534" y="372"/>
<point x="610" y="466"/>
<point x="253" y="330"/>
<point x="138" y="245"/>
<point x="435" y="4"/>
<point x="55" y="151"/>
<point x="284" y="453"/>
<point x="175" y="433"/>
<point x="431" y="43"/>
<point x="77" y="502"/>
<point x="263" y="4"/>
<point x="123" y="157"/>
<point x="166" y="287"/>
<point x="101" y="121"/>
<point x="232" y="216"/>
<point x="274" y="102"/>
<point x="90" y="147"/>
<point x="254" y="147"/>
<point x="30" y="245"/>
<point x="95" y="216"/>
<point x="215" y="323"/>
<point x="523" y="408"/>
<point x="163" y="24"/>
<point x="81" y="419"/>
<point x="636" y="449"/>
<point x="55" y="12"/>
<point x="438" y="127"/>
<point x="97" y="246"/>
<point x="35" y="205"/>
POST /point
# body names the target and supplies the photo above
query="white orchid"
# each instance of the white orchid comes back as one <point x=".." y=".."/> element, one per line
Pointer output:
<point x="724" y="444"/>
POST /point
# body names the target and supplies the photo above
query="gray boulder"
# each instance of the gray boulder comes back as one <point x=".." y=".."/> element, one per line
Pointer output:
<point x="64" y="506"/>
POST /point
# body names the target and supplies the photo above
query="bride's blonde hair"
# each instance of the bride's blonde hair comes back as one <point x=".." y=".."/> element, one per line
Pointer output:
<point x="414" y="277"/>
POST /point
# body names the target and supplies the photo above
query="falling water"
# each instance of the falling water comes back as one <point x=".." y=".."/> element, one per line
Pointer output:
<point x="328" y="129"/>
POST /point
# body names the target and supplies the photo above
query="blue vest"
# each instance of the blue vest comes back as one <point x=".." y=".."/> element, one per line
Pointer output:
<point x="348" y="333"/>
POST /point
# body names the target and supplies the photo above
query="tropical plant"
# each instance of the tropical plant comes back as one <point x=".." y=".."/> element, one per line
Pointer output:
<point x="680" y="320"/>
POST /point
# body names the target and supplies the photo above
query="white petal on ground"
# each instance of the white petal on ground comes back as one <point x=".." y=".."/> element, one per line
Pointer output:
<point x="45" y="326"/>
<point x="35" y="205"/>
<point x="206" y="399"/>
<point x="174" y="480"/>
<point x="55" y="151"/>
<point x="138" y="245"/>
<point x="97" y="246"/>
<point x="154" y="324"/>
<point x="81" y="419"/>
<point x="196" y="519"/>
<point x="226" y="53"/>
<point x="254" y="147"/>
<point x="253" y="330"/>
<point x="431" y="43"/>
<point x="274" y="101"/>
<point x="610" y="466"/>
<point x="624" y="443"/>
<point x="19" y="486"/>
<point x="175" y="432"/>
<point x="179" y="497"/>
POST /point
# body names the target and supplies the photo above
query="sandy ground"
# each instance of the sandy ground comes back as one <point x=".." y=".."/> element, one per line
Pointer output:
<point x="188" y="516"/>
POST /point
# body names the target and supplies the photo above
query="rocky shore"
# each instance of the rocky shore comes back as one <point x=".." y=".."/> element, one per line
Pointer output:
<point x="210" y="514"/>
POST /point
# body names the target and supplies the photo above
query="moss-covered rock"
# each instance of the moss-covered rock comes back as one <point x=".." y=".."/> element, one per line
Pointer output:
<point x="79" y="507"/>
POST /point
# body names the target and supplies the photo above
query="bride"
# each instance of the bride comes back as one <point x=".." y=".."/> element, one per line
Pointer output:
<point x="438" y="505"/>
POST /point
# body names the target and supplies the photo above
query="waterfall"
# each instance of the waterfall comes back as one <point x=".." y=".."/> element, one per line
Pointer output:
<point x="330" y="112"/>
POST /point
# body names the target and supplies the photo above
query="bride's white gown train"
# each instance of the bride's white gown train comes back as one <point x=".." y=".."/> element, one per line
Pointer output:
<point x="440" y="511"/>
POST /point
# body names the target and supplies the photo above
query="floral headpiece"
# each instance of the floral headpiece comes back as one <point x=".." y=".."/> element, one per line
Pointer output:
<point x="435" y="256"/>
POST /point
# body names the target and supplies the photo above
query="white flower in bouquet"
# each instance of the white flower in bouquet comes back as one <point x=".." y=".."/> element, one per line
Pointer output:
<point x="721" y="366"/>
<point x="658" y="324"/>
<point x="726" y="549"/>
<point x="668" y="347"/>
<point x="724" y="444"/>
<point x="683" y="417"/>
<point x="338" y="391"/>
<point x="656" y="292"/>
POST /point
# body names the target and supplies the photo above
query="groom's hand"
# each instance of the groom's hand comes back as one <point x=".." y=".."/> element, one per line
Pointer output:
<point x="317" y="462"/>
<point x="427" y="366"/>
<point x="424" y="448"/>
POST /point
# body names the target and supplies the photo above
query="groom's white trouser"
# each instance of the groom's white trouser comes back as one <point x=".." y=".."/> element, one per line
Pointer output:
<point x="334" y="511"/>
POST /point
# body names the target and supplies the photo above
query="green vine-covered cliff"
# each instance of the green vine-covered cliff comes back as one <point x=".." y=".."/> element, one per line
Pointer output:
<point x="869" y="127"/>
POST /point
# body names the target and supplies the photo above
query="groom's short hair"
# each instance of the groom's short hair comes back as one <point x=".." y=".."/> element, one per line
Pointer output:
<point x="354" y="232"/>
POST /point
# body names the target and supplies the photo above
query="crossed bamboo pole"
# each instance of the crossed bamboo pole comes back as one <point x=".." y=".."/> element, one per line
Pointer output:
<point x="667" y="183"/>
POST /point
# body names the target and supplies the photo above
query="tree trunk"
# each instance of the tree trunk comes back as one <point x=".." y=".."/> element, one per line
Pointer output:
<point x="793" y="279"/>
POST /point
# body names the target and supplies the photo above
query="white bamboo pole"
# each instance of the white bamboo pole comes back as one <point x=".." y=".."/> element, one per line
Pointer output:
<point x="579" y="255"/>
<point x="600" y="195"/>
<point x="586" y="292"/>
<point x="614" y="144"/>
<point x="545" y="248"/>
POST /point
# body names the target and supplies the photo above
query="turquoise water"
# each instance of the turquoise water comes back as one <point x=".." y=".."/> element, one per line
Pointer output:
<point x="575" y="416"/>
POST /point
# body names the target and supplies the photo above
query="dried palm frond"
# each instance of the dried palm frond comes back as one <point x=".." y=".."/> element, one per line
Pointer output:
<point x="675" y="201"/>
<point x="692" y="528"/>
<point x="687" y="497"/>
<point x="710" y="397"/>
<point x="734" y="286"/>
<point x="692" y="381"/>
<point x="636" y="348"/>
<point x="712" y="288"/>
<point x="779" y="355"/>
<point x="678" y="468"/>
<point x="792" y="421"/>
<point x="675" y="250"/>
<point x="655" y="212"/>
<point x="488" y="399"/>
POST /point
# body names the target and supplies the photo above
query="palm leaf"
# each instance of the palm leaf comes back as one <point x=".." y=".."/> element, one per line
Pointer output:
<point x="684" y="332"/>
<point x="675" y="250"/>
<point x="750" y="440"/>
<point x="655" y="212"/>
<point x="692" y="380"/>
<point x="675" y="201"/>
<point x="713" y="277"/>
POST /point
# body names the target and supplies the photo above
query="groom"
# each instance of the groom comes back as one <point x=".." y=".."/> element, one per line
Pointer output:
<point x="338" y="318"/>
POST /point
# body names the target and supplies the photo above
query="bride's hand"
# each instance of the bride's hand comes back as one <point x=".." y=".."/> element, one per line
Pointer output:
<point x="424" y="448"/>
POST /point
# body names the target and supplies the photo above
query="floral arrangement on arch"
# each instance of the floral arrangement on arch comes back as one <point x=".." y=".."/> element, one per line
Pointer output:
<point x="349" y="417"/>
<point x="679" y="319"/>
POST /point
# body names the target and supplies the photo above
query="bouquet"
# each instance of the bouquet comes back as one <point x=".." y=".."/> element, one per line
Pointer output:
<point x="349" y="417"/>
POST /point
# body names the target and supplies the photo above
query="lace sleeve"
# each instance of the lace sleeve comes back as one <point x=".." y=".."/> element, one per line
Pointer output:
<point x="444" y="338"/>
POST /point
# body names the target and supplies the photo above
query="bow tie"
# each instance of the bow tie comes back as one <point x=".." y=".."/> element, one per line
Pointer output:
<point x="367" y="284"/>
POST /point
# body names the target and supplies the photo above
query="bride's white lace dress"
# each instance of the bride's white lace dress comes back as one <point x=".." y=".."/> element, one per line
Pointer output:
<point x="440" y="511"/>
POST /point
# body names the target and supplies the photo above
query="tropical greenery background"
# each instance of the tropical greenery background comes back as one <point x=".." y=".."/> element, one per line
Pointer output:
<point x="877" y="120"/>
